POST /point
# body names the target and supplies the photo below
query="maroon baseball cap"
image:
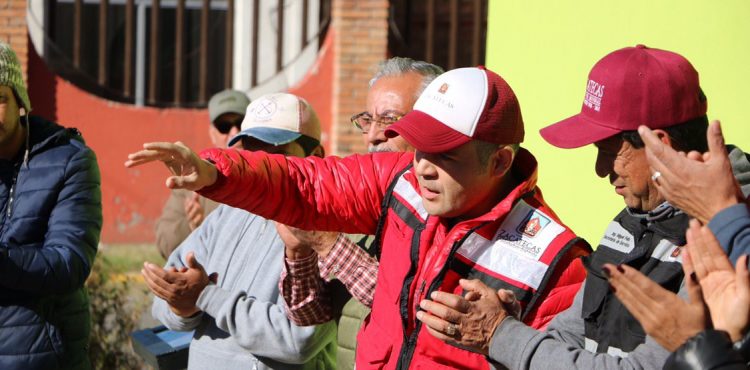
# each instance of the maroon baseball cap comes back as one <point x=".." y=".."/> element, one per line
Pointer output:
<point x="631" y="87"/>
<point x="461" y="105"/>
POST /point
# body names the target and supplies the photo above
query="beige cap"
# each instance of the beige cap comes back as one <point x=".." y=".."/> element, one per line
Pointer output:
<point x="278" y="119"/>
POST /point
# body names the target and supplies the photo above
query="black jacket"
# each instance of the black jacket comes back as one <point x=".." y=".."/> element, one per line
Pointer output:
<point x="708" y="350"/>
<point x="649" y="243"/>
<point x="49" y="231"/>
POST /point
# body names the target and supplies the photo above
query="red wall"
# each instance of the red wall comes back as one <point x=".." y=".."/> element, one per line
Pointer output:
<point x="132" y="198"/>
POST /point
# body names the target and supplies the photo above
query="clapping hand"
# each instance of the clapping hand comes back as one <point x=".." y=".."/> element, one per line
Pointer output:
<point x="180" y="288"/>
<point x="726" y="290"/>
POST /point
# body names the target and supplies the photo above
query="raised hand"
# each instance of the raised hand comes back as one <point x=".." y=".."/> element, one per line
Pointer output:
<point x="666" y="317"/>
<point x="188" y="170"/>
<point x="726" y="290"/>
<point x="699" y="184"/>
<point x="194" y="211"/>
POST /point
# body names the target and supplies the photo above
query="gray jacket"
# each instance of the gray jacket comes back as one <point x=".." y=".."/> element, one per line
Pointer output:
<point x="562" y="346"/>
<point x="244" y="323"/>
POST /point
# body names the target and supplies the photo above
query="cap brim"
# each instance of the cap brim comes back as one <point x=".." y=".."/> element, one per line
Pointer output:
<point x="273" y="136"/>
<point x="426" y="134"/>
<point x="575" y="132"/>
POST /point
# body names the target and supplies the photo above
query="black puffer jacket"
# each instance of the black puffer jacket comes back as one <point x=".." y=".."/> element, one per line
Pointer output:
<point x="709" y="350"/>
<point x="49" y="231"/>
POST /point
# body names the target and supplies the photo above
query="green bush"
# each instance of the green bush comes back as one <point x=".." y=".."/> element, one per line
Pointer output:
<point x="117" y="303"/>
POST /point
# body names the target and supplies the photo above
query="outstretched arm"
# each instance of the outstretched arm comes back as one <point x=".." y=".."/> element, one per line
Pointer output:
<point x="331" y="194"/>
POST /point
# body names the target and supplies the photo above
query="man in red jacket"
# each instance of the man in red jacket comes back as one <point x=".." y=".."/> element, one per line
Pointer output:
<point x="464" y="205"/>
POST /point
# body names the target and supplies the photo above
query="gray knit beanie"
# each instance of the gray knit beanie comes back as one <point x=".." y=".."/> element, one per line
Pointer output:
<point x="10" y="75"/>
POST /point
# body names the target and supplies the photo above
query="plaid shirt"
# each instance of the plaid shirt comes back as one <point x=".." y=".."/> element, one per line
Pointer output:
<point x="303" y="282"/>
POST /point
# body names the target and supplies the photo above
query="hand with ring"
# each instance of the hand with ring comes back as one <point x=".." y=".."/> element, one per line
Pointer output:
<point x="700" y="184"/>
<point x="451" y="329"/>
<point x="471" y="320"/>
<point x="655" y="176"/>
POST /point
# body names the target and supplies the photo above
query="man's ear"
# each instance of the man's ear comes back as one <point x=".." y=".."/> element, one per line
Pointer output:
<point x="502" y="160"/>
<point x="663" y="136"/>
<point x="318" y="152"/>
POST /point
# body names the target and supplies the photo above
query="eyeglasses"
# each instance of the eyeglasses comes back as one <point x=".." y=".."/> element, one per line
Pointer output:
<point x="224" y="125"/>
<point x="364" y="120"/>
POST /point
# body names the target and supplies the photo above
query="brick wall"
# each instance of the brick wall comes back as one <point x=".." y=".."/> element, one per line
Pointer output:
<point x="13" y="29"/>
<point x="361" y="41"/>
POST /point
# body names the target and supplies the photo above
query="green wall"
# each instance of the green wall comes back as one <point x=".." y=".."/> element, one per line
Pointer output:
<point x="545" y="50"/>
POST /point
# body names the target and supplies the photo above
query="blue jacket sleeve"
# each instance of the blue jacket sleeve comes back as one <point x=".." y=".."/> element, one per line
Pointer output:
<point x="732" y="228"/>
<point x="63" y="261"/>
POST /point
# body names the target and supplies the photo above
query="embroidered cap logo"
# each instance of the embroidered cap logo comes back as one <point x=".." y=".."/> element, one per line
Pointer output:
<point x="594" y="95"/>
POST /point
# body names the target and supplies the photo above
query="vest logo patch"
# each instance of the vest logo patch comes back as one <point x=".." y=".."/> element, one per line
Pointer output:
<point x="666" y="251"/>
<point x="528" y="231"/>
<point x="511" y="252"/>
<point x="533" y="223"/>
<point x="617" y="238"/>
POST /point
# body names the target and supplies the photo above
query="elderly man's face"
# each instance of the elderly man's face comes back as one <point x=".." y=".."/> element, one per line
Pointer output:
<point x="10" y="128"/>
<point x="628" y="171"/>
<point x="391" y="96"/>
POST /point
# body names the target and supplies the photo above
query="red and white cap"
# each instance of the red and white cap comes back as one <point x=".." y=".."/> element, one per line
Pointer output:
<point x="631" y="87"/>
<point x="461" y="105"/>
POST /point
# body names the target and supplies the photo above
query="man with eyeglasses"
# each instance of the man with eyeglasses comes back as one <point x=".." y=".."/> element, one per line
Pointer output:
<point x="185" y="210"/>
<point x="305" y="281"/>
<point x="393" y="91"/>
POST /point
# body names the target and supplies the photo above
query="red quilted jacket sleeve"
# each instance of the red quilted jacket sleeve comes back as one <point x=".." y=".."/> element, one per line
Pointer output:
<point x="562" y="288"/>
<point x="336" y="194"/>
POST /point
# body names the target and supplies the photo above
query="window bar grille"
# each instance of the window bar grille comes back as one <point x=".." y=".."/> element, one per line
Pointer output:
<point x="305" y="12"/>
<point x="102" y="70"/>
<point x="280" y="37"/>
<point x="477" y="33"/>
<point x="179" y="50"/>
<point x="127" y="84"/>
<point x="229" y="40"/>
<point x="77" y="9"/>
<point x="154" y="53"/>
<point x="203" y="72"/>
<point x="453" y="34"/>
<point x="140" y="57"/>
<point x="256" y="21"/>
<point x="430" y="30"/>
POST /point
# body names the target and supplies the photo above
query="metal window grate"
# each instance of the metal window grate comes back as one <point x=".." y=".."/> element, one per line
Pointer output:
<point x="168" y="53"/>
<point x="449" y="33"/>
